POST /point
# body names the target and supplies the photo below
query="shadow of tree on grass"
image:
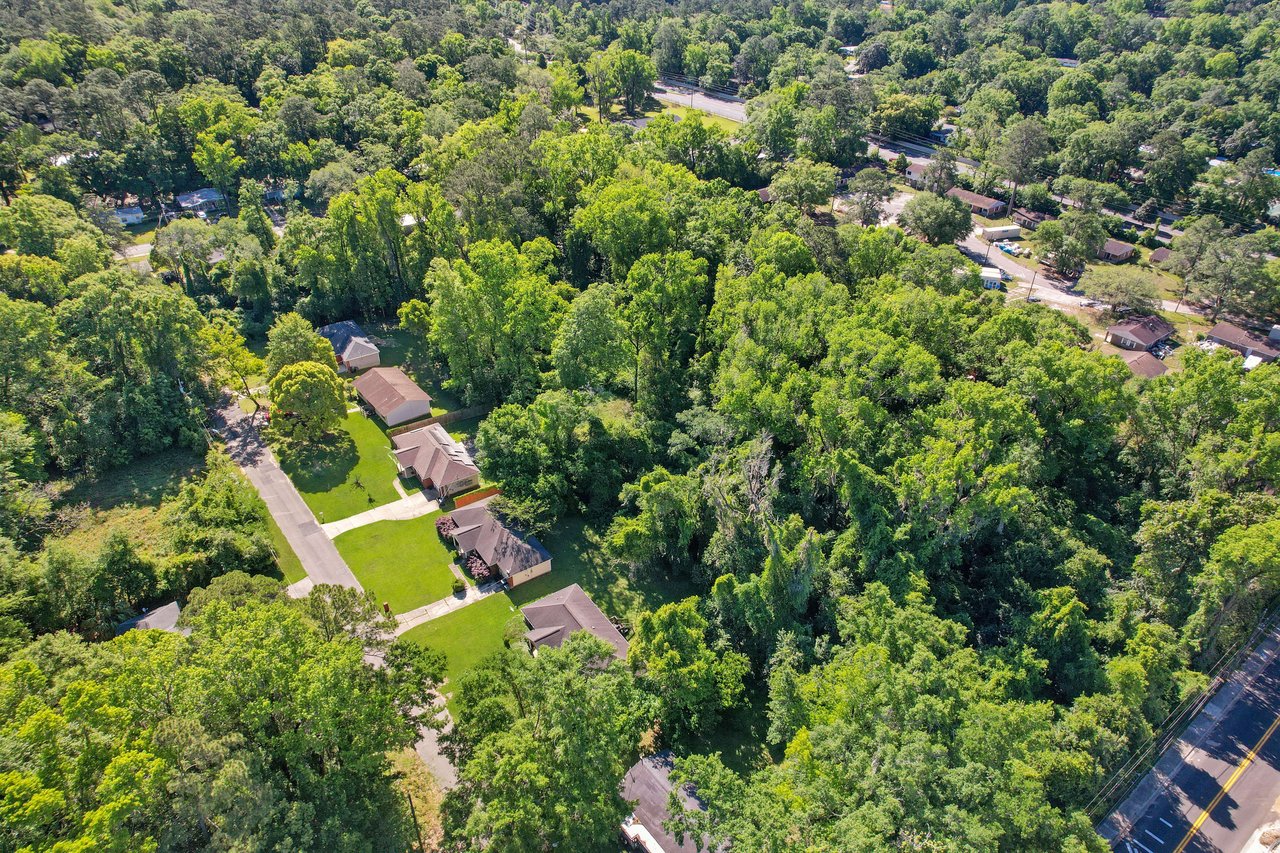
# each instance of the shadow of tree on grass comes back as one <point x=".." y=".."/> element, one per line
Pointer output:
<point x="319" y="466"/>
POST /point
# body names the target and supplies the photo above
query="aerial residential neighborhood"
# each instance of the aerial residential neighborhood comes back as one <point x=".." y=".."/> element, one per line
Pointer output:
<point x="690" y="428"/>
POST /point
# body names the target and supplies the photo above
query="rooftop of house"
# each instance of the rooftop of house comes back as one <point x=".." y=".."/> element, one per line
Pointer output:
<point x="388" y="388"/>
<point x="434" y="455"/>
<point x="971" y="198"/>
<point x="1116" y="247"/>
<point x="553" y="618"/>
<point x="344" y="335"/>
<point x="1148" y="331"/>
<point x="163" y="618"/>
<point x="1145" y="364"/>
<point x="200" y="196"/>
<point x="498" y="543"/>
<point x="1160" y="254"/>
<point x="648" y="785"/>
<point x="1233" y="335"/>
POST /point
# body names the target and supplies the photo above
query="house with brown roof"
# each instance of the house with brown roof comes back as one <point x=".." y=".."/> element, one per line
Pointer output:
<point x="1248" y="344"/>
<point x="553" y="619"/>
<point x="1115" y="251"/>
<point x="393" y="395"/>
<point x="436" y="459"/>
<point x="1144" y="364"/>
<point x="979" y="204"/>
<point x="1139" y="333"/>
<point x="493" y="549"/>
<point x="1159" y="255"/>
<point x="1030" y="219"/>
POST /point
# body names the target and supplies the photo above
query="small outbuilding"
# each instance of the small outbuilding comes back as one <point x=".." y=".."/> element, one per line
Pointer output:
<point x="1160" y="255"/>
<point x="980" y="205"/>
<point x="1115" y="251"/>
<point x="393" y="395"/>
<point x="351" y="346"/>
<point x="1139" y="334"/>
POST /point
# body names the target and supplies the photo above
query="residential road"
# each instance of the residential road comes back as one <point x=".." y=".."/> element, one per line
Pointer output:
<point x="1220" y="782"/>
<point x="315" y="550"/>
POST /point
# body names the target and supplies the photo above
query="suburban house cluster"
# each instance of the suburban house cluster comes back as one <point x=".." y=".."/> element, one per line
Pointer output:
<point x="436" y="459"/>
<point x="1137" y="336"/>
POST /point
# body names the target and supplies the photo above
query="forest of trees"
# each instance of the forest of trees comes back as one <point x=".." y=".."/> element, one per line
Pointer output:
<point x="967" y="563"/>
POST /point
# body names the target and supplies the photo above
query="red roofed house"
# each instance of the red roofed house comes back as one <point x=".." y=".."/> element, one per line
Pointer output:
<point x="1115" y="251"/>
<point x="979" y="204"/>
<point x="393" y="395"/>
<point x="436" y="459"/>
<point x="1139" y="333"/>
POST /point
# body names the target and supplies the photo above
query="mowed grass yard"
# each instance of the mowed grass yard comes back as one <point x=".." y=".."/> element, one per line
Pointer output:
<point x="348" y="476"/>
<point x="403" y="563"/>
<point x="470" y="634"/>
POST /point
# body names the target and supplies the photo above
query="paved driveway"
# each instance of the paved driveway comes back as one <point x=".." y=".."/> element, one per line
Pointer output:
<point x="315" y="550"/>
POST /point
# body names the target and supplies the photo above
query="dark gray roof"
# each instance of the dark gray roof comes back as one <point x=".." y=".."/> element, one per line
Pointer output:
<point x="498" y="544"/>
<point x="648" y="785"/>
<point x="342" y="334"/>
<point x="553" y="618"/>
<point x="163" y="618"/>
<point x="1242" y="339"/>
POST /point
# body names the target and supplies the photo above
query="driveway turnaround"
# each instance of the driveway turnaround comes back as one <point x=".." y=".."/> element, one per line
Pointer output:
<point x="315" y="550"/>
<point x="1221" y="781"/>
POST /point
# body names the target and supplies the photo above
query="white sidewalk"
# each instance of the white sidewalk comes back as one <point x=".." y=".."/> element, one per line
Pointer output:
<point x="436" y="609"/>
<point x="415" y="505"/>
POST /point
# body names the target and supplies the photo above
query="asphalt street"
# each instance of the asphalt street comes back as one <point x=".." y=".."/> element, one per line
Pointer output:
<point x="315" y="550"/>
<point x="1224" y="788"/>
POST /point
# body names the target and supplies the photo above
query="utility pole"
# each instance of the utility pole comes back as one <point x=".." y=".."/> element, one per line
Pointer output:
<point x="1031" y="287"/>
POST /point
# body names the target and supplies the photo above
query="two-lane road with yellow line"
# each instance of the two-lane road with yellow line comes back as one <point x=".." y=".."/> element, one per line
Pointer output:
<point x="1227" y="785"/>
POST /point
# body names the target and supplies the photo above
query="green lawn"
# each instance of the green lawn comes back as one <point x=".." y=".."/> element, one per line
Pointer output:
<point x="576" y="558"/>
<point x="403" y="563"/>
<point x="469" y="635"/>
<point x="287" y="561"/>
<point x="348" y="474"/>
<point x="728" y="125"/>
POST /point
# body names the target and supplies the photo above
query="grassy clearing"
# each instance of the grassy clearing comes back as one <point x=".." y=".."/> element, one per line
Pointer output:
<point x="286" y="560"/>
<point x="414" y="780"/>
<point x="142" y="234"/>
<point x="464" y="429"/>
<point x="469" y="635"/>
<point x="126" y="499"/>
<point x="347" y="476"/>
<point x="728" y="125"/>
<point x="403" y="563"/>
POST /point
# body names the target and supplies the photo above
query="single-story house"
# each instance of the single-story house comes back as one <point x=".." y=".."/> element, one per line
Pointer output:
<point x="1115" y="251"/>
<point x="128" y="215"/>
<point x="351" y="345"/>
<point x="765" y="195"/>
<point x="393" y="395"/>
<point x="1139" y="333"/>
<point x="980" y="204"/>
<point x="1144" y="364"/>
<point x="163" y="618"/>
<point x="915" y="174"/>
<point x="1245" y="342"/>
<point x="436" y="459"/>
<point x="552" y="619"/>
<point x="1030" y="219"/>
<point x="1160" y="255"/>
<point x="492" y="548"/>
<point x="648" y="787"/>
<point x="205" y="200"/>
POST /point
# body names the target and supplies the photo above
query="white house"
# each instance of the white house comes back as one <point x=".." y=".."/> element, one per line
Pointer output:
<point x="128" y="215"/>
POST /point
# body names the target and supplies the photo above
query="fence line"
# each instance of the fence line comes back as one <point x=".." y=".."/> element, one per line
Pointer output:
<point x="446" y="418"/>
